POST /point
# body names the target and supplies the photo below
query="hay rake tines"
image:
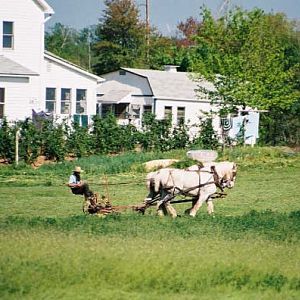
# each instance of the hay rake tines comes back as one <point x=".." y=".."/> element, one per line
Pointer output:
<point x="93" y="205"/>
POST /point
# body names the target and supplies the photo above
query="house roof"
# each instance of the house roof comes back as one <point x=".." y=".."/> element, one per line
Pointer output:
<point x="114" y="92"/>
<point x="45" y="7"/>
<point x="115" y="96"/>
<point x="171" y="85"/>
<point x="9" y="67"/>
<point x="50" y="56"/>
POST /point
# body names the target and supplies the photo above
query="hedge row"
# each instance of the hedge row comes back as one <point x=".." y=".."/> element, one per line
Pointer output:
<point x="58" y="140"/>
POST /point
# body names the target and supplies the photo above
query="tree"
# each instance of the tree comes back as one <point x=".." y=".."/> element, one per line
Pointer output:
<point x="246" y="61"/>
<point x="162" y="51"/>
<point x="253" y="60"/>
<point x="71" y="44"/>
<point x="188" y="29"/>
<point x="121" y="37"/>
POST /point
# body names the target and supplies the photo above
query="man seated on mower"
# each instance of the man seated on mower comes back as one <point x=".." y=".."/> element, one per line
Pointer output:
<point x="77" y="186"/>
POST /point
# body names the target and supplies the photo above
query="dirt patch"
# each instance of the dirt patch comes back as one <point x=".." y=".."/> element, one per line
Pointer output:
<point x="159" y="163"/>
<point x="3" y="162"/>
<point x="70" y="157"/>
<point x="290" y="150"/>
<point x="41" y="160"/>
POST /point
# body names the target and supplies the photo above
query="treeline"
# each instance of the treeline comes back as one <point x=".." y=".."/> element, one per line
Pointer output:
<point x="56" y="141"/>
<point x="252" y="57"/>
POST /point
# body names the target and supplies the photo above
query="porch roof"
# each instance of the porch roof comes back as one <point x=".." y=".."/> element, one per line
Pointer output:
<point x="9" y="67"/>
<point x="113" y="92"/>
<point x="115" y="97"/>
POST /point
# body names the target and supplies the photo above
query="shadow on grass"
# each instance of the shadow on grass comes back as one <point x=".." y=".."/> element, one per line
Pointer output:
<point x="268" y="224"/>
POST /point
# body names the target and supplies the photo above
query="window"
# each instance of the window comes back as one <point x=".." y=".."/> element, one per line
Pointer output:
<point x="106" y="109"/>
<point x="65" y="101"/>
<point x="121" y="110"/>
<point x="135" y="111"/>
<point x="147" y="109"/>
<point x="168" y="112"/>
<point x="8" y="35"/>
<point x="2" y="98"/>
<point x="81" y="103"/>
<point x="118" y="110"/>
<point x="50" y="99"/>
<point x="122" y="72"/>
<point x="180" y="115"/>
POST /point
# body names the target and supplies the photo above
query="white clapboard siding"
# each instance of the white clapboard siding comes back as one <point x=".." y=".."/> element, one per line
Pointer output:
<point x="59" y="76"/>
<point x="25" y="90"/>
<point x="28" y="19"/>
<point x="193" y="109"/>
<point x="16" y="97"/>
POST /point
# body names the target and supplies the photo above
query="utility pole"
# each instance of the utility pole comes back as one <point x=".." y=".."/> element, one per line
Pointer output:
<point x="223" y="9"/>
<point x="89" y="50"/>
<point x="147" y="18"/>
<point x="147" y="26"/>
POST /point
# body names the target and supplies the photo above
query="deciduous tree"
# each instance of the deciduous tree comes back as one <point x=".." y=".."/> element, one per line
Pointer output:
<point x="71" y="44"/>
<point x="246" y="60"/>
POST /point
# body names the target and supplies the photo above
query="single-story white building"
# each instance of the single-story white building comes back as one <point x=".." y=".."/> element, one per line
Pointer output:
<point x="129" y="93"/>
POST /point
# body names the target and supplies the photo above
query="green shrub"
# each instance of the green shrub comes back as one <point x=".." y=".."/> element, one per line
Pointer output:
<point x="79" y="141"/>
<point x="7" y="141"/>
<point x="54" y="140"/>
<point x="207" y="138"/>
<point x="30" y="141"/>
<point x="109" y="137"/>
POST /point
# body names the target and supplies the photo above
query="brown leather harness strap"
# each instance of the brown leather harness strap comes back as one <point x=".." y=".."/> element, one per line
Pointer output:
<point x="200" y="185"/>
<point x="216" y="178"/>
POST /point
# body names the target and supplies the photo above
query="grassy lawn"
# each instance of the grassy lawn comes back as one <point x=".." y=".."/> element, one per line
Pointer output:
<point x="250" y="250"/>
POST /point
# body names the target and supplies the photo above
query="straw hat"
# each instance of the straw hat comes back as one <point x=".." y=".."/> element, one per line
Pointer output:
<point x="77" y="170"/>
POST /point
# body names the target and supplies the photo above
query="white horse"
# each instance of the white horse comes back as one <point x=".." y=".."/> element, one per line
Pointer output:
<point x="226" y="172"/>
<point x="156" y="193"/>
<point x="199" y="183"/>
<point x="167" y="183"/>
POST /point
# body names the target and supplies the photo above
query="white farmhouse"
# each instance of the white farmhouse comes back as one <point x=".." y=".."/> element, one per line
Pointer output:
<point x="129" y="93"/>
<point x="33" y="79"/>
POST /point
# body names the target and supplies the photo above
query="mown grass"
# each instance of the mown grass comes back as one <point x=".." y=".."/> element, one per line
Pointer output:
<point x="267" y="224"/>
<point x="50" y="265"/>
<point x="250" y="250"/>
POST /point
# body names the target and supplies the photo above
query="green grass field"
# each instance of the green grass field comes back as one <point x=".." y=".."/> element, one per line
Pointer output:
<point x="250" y="250"/>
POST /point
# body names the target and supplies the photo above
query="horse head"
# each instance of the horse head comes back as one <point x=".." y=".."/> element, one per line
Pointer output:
<point x="229" y="175"/>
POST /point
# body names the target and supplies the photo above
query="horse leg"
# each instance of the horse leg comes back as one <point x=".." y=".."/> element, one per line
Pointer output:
<point x="187" y="211"/>
<point x="171" y="210"/>
<point x="161" y="206"/>
<point x="202" y="198"/>
<point x="161" y="209"/>
<point x="210" y="206"/>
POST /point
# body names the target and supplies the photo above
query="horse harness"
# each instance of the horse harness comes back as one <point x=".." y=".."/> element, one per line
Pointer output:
<point x="216" y="181"/>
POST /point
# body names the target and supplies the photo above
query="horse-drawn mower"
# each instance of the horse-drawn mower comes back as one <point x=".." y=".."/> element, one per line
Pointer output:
<point x="94" y="205"/>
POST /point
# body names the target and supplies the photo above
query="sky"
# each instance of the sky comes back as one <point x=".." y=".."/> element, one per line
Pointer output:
<point x="164" y="14"/>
